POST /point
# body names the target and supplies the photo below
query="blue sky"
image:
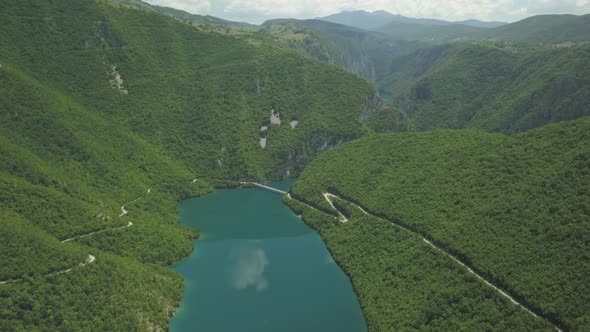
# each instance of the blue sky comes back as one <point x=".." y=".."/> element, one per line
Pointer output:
<point x="257" y="11"/>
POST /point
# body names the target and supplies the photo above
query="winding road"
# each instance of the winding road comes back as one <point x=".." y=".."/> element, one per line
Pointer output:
<point x="329" y="197"/>
<point x="129" y="224"/>
<point x="123" y="213"/>
<point x="91" y="258"/>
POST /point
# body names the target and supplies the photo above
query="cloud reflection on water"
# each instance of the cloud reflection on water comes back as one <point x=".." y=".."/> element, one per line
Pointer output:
<point x="249" y="269"/>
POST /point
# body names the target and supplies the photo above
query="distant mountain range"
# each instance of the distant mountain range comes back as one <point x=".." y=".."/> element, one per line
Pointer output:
<point x="367" y="53"/>
<point x="113" y="110"/>
<point x="377" y="19"/>
<point x="545" y="29"/>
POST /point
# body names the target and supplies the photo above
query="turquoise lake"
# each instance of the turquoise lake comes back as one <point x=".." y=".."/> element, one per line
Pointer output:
<point x="257" y="267"/>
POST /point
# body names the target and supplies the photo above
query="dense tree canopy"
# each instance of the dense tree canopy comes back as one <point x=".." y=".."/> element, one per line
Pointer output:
<point x="110" y="114"/>
<point x="106" y="109"/>
<point x="515" y="208"/>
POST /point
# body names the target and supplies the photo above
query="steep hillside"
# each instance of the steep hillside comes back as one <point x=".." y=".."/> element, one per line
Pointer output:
<point x="514" y="208"/>
<point x="546" y="29"/>
<point x="493" y="86"/>
<point x="222" y="88"/>
<point x="108" y="116"/>
<point x="198" y="19"/>
<point x="405" y="70"/>
<point x="432" y="33"/>
<point x="180" y="15"/>
<point x="541" y="29"/>
<point x="65" y="172"/>
<point x="366" y="53"/>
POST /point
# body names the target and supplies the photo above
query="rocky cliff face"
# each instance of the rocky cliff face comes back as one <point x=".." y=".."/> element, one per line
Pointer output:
<point x="370" y="106"/>
<point x="295" y="161"/>
<point x="368" y="54"/>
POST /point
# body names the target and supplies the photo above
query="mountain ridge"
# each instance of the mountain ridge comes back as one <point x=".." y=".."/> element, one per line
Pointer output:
<point x="108" y="109"/>
<point x="476" y="194"/>
<point x="373" y="20"/>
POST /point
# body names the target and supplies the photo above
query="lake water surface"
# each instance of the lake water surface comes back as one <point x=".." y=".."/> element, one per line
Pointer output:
<point x="257" y="267"/>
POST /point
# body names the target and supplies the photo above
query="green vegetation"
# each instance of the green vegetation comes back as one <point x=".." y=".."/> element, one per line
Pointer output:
<point x="542" y="29"/>
<point x="198" y="19"/>
<point x="112" y="294"/>
<point x="366" y="53"/>
<point x="494" y="86"/>
<point x="433" y="33"/>
<point x="546" y="29"/>
<point x="110" y="112"/>
<point x="180" y="15"/>
<point x="403" y="284"/>
<point x="513" y="207"/>
<point x="221" y="89"/>
<point x="405" y="70"/>
<point x="106" y="109"/>
<point x="27" y="251"/>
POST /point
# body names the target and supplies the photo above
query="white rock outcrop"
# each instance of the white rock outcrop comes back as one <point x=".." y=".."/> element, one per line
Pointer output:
<point x="117" y="81"/>
<point x="275" y="119"/>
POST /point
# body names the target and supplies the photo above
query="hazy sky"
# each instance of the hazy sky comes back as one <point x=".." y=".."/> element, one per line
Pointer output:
<point x="257" y="11"/>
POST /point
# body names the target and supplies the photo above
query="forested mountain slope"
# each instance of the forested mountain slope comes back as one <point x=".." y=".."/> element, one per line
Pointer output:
<point x="494" y="86"/>
<point x="148" y="75"/>
<point x="366" y="53"/>
<point x="544" y="29"/>
<point x="432" y="33"/>
<point x="377" y="19"/>
<point x="181" y="15"/>
<point x="107" y="114"/>
<point x="515" y="208"/>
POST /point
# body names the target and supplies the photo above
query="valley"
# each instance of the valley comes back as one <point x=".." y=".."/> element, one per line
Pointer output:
<point x="259" y="264"/>
<point x="442" y="171"/>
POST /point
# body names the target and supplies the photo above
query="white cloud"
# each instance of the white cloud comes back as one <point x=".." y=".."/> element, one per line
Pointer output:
<point x="256" y="11"/>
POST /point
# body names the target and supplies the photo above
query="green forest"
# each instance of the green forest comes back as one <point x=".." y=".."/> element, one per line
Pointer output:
<point x="500" y="84"/>
<point x="495" y="86"/>
<point x="405" y="285"/>
<point x="106" y="109"/>
<point x="112" y="111"/>
<point x="513" y="207"/>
